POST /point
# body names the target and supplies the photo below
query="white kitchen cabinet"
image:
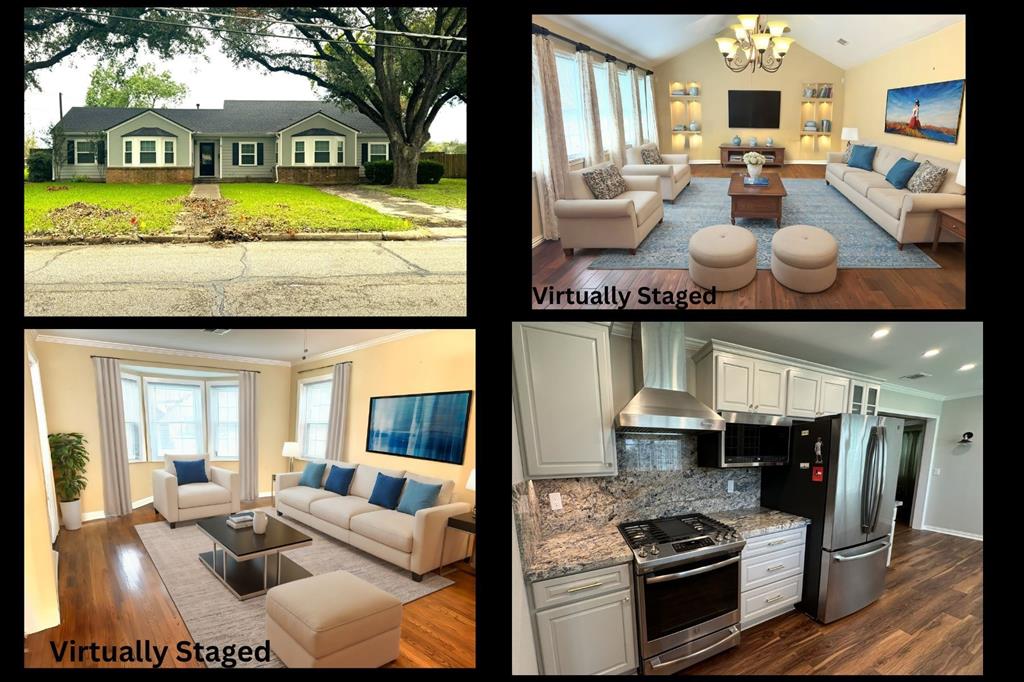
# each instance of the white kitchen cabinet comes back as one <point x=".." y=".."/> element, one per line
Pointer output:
<point x="771" y="575"/>
<point x="749" y="385"/>
<point x="813" y="394"/>
<point x="563" y="390"/>
<point x="835" y="392"/>
<point x="864" y="397"/>
<point x="769" y="388"/>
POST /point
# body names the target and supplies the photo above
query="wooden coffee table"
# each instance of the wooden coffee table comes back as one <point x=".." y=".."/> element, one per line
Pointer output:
<point x="757" y="201"/>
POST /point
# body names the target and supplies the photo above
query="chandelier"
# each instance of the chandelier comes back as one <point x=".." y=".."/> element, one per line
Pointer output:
<point x="758" y="43"/>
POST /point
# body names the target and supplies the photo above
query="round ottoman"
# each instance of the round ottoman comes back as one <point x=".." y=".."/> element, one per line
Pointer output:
<point x="723" y="256"/>
<point x="804" y="258"/>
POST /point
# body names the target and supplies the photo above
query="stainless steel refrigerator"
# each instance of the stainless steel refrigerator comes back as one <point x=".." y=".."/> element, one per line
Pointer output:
<point x="842" y="475"/>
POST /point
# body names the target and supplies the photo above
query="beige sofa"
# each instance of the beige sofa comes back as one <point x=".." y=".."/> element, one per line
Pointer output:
<point x="673" y="175"/>
<point x="411" y="542"/>
<point x="222" y="495"/>
<point x="909" y="217"/>
<point x="620" y="223"/>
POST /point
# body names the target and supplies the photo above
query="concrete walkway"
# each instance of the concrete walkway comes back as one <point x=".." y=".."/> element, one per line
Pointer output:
<point x="441" y="220"/>
<point x="206" y="191"/>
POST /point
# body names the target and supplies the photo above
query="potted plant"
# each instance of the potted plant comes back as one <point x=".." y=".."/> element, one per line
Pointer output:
<point x="754" y="161"/>
<point x="67" y="450"/>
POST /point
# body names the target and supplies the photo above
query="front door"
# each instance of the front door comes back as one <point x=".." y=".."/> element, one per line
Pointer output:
<point x="206" y="159"/>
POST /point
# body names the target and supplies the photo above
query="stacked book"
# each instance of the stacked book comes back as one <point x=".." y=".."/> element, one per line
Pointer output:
<point x="241" y="519"/>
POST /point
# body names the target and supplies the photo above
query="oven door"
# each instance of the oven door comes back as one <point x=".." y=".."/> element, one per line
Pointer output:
<point x="688" y="601"/>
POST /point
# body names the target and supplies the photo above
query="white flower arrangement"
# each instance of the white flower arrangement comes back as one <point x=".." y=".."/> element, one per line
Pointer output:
<point x="754" y="159"/>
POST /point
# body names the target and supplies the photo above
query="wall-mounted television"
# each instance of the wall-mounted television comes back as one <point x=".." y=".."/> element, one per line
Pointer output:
<point x="754" y="108"/>
<point x="428" y="426"/>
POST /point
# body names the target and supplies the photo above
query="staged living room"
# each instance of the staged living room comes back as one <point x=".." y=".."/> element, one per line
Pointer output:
<point x="749" y="161"/>
<point x="300" y="498"/>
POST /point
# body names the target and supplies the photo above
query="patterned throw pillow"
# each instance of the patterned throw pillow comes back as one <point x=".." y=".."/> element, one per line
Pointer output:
<point x="650" y="155"/>
<point x="927" y="178"/>
<point x="605" y="183"/>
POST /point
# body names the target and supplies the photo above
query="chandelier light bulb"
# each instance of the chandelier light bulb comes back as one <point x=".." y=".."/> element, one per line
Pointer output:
<point x="776" y="27"/>
<point x="781" y="45"/>
<point x="739" y="31"/>
<point x="749" y="21"/>
<point x="761" y="41"/>
<point x="726" y="46"/>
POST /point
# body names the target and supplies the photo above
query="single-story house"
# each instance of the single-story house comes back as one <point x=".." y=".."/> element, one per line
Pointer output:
<point x="247" y="140"/>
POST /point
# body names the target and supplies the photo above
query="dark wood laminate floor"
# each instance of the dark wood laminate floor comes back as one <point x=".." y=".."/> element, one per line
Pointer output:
<point x="928" y="621"/>
<point x="110" y="593"/>
<point x="929" y="288"/>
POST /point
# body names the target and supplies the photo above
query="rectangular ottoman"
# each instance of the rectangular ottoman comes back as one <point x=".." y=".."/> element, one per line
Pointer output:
<point x="334" y="620"/>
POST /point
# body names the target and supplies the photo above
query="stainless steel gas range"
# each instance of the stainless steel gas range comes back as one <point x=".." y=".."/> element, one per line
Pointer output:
<point x="688" y="589"/>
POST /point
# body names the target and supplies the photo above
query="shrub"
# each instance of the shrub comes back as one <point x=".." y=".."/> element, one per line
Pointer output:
<point x="429" y="172"/>
<point x="39" y="165"/>
<point x="80" y="178"/>
<point x="383" y="172"/>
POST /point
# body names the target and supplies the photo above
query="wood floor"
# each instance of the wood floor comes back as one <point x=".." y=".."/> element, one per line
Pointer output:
<point x="928" y="621"/>
<point x="110" y="593"/>
<point x="930" y="288"/>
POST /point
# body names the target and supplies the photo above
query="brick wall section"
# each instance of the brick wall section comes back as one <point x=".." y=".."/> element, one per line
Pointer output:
<point x="298" y="175"/>
<point x="150" y="175"/>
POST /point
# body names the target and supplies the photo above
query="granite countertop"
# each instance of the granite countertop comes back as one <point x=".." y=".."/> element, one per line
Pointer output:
<point x="756" y="521"/>
<point x="577" y="551"/>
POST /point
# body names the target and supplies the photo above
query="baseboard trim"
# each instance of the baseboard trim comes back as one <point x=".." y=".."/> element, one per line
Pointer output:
<point x="958" y="533"/>
<point x="537" y="241"/>
<point x="141" y="503"/>
<point x="93" y="516"/>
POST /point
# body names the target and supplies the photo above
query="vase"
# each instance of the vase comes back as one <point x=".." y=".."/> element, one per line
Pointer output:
<point x="753" y="141"/>
<point x="259" y="523"/>
<point x="71" y="514"/>
<point x="753" y="171"/>
<point x="769" y="142"/>
<point x="694" y="91"/>
<point x="736" y="140"/>
<point x="694" y="125"/>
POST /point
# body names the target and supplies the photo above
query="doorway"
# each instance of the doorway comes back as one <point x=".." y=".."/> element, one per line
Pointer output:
<point x="206" y="159"/>
<point x="44" y="447"/>
<point x="910" y="466"/>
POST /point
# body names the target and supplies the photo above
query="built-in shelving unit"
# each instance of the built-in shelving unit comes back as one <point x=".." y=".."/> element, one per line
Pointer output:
<point x="684" y="109"/>
<point x="816" y="105"/>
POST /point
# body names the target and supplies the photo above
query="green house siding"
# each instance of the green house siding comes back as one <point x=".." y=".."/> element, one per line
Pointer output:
<point x="324" y="123"/>
<point x="92" y="171"/>
<point x="148" y="119"/>
<point x="232" y="168"/>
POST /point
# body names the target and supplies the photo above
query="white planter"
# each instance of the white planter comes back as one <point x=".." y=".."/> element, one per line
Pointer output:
<point x="753" y="170"/>
<point x="71" y="514"/>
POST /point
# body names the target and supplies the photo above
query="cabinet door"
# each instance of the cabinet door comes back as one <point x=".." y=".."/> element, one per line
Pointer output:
<point x="564" y="394"/>
<point x="871" y="403"/>
<point x="769" y="388"/>
<point x="833" y="394"/>
<point x="802" y="390"/>
<point x="734" y="384"/>
<point x="856" y="398"/>
<point x="591" y="637"/>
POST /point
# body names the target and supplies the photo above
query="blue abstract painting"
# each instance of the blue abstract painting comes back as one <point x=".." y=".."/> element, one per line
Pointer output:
<point x="426" y="426"/>
<point x="930" y="111"/>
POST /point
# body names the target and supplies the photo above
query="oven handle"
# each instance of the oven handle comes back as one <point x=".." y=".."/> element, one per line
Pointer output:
<point x="733" y="633"/>
<point x="692" y="571"/>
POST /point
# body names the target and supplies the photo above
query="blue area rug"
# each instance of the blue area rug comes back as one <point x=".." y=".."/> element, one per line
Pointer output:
<point x="862" y="243"/>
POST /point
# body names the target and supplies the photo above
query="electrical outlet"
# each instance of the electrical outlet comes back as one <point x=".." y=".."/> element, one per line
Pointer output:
<point x="937" y="471"/>
<point x="730" y="486"/>
<point x="556" y="501"/>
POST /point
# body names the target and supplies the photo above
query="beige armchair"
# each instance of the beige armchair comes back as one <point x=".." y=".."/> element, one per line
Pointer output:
<point x="619" y="223"/>
<point x="673" y="174"/>
<point x="221" y="495"/>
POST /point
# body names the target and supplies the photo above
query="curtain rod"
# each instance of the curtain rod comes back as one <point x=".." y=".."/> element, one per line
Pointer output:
<point x="313" y="369"/>
<point x="108" y="357"/>
<point x="582" y="47"/>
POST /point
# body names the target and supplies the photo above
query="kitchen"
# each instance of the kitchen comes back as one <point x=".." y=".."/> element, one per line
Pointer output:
<point x="720" y="498"/>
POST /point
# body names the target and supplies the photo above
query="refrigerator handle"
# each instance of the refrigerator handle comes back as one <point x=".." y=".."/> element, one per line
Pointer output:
<point x="867" y="483"/>
<point x="881" y="475"/>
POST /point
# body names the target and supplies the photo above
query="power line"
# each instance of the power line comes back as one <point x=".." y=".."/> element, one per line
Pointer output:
<point x="250" y="33"/>
<point x="303" y="23"/>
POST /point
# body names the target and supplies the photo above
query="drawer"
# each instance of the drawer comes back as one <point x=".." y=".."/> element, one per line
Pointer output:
<point x="773" y="542"/>
<point x="769" y="568"/>
<point x="770" y="598"/>
<point x="571" y="588"/>
<point x="953" y="226"/>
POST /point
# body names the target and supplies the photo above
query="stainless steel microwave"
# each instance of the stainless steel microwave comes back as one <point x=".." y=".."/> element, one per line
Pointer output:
<point x="749" y="440"/>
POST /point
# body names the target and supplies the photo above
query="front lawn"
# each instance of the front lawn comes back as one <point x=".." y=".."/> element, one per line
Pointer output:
<point x="83" y="208"/>
<point x="450" y="192"/>
<point x="275" y="207"/>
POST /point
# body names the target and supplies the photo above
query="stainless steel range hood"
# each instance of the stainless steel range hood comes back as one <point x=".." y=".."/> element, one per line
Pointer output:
<point x="661" y="403"/>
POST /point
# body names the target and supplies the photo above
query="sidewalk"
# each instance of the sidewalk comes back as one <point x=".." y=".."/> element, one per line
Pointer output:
<point x="442" y="221"/>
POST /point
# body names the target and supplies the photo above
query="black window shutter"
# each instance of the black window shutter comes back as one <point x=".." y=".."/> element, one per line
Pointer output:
<point x="363" y="152"/>
<point x="259" y="153"/>
<point x="102" y="152"/>
<point x="234" y="153"/>
<point x="71" y="152"/>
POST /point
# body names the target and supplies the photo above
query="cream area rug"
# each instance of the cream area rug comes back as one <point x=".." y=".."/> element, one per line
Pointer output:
<point x="212" y="614"/>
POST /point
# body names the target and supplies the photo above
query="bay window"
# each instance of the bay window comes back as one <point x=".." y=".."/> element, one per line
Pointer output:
<point x="341" y="152"/>
<point x="300" y="151"/>
<point x="223" y="419"/>
<point x="572" y="105"/>
<point x="321" y="151"/>
<point x="644" y="120"/>
<point x="147" y="151"/>
<point x="174" y="417"/>
<point x="313" y="412"/>
<point x="628" y="110"/>
<point x="604" y="105"/>
<point x="127" y="152"/>
<point x="131" y="393"/>
<point x="169" y="152"/>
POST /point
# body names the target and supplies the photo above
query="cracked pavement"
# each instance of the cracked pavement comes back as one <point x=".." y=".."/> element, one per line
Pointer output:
<point x="255" y="278"/>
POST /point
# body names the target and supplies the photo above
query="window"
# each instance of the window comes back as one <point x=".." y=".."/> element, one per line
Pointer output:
<point x="223" y="420"/>
<point x="247" y="154"/>
<point x="132" y="398"/>
<point x="321" y="151"/>
<point x="572" y="105"/>
<point x="341" y="152"/>
<point x="628" y="111"/>
<point x="649" y="120"/>
<point x="175" y="417"/>
<point x="147" y="151"/>
<point x="378" y="151"/>
<point x="642" y="87"/>
<point x="169" y="152"/>
<point x="127" y="152"/>
<point x="85" y="152"/>
<point x="300" y="151"/>
<point x="604" y="105"/>
<point x="314" y="407"/>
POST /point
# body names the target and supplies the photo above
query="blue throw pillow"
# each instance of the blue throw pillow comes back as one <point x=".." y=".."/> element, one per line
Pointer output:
<point x="901" y="172"/>
<point x="862" y="156"/>
<point x="312" y="474"/>
<point x="190" y="471"/>
<point x="339" y="479"/>
<point x="418" y="496"/>
<point x="386" y="491"/>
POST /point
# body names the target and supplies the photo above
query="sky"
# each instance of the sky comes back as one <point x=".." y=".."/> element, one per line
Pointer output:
<point x="210" y="83"/>
<point x="940" y="103"/>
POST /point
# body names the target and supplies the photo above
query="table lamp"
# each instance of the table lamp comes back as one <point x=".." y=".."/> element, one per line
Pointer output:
<point x="961" y="175"/>
<point x="850" y="135"/>
<point x="471" y="485"/>
<point x="291" y="451"/>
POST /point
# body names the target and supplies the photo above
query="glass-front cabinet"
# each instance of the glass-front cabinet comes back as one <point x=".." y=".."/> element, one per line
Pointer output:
<point x="864" y="398"/>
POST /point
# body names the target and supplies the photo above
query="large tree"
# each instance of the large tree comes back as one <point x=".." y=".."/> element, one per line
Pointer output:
<point x="54" y="34"/>
<point x="112" y="85"/>
<point x="400" y="82"/>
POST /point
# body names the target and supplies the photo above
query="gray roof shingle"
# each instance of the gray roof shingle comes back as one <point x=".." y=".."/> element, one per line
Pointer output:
<point x="153" y="132"/>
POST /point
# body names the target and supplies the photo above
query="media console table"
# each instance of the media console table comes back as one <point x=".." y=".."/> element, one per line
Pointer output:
<point x="776" y="155"/>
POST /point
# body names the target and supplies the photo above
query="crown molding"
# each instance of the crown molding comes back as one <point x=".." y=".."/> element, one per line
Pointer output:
<point x="623" y="329"/>
<point x="112" y="345"/>
<point x="405" y="333"/>
<point x="915" y="392"/>
<point x="958" y="396"/>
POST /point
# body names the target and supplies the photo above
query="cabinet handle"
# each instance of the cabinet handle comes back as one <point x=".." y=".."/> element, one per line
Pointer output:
<point x="774" y="599"/>
<point x="775" y="568"/>
<point x="776" y="542"/>
<point x="584" y="587"/>
<point x="607" y="464"/>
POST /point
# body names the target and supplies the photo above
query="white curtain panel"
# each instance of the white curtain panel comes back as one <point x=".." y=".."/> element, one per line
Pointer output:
<point x="635" y="94"/>
<point x="117" y="493"/>
<point x="652" y="134"/>
<point x="617" y="145"/>
<point x="591" y="111"/>
<point x="550" y="158"/>
<point x="339" y="411"/>
<point x="248" y="451"/>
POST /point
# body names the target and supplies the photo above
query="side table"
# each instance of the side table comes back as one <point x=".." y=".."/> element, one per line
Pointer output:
<point x="952" y="219"/>
<point x="463" y="522"/>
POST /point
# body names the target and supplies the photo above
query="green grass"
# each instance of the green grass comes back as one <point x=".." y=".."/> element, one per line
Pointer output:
<point x="450" y="192"/>
<point x="301" y="208"/>
<point x="109" y="208"/>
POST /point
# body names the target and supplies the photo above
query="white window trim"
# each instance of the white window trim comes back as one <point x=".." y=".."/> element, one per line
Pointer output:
<point x="309" y="150"/>
<point x="334" y="149"/>
<point x="255" y="153"/>
<point x="299" y="423"/>
<point x="146" y="381"/>
<point x="209" y="418"/>
<point x="387" y="150"/>
<point x="143" y="439"/>
<point x="137" y="151"/>
<point x="95" y="153"/>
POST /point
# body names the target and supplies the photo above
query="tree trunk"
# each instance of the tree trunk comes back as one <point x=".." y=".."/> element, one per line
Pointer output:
<point x="407" y="160"/>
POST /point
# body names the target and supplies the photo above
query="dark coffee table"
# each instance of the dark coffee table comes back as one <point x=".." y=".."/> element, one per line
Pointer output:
<point x="249" y="564"/>
<point x="757" y="201"/>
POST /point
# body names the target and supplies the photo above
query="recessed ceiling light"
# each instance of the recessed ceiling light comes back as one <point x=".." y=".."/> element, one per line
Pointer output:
<point x="969" y="365"/>
<point x="881" y="333"/>
<point x="931" y="353"/>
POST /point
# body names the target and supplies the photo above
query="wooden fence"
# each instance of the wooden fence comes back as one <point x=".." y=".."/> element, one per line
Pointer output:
<point x="454" y="164"/>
